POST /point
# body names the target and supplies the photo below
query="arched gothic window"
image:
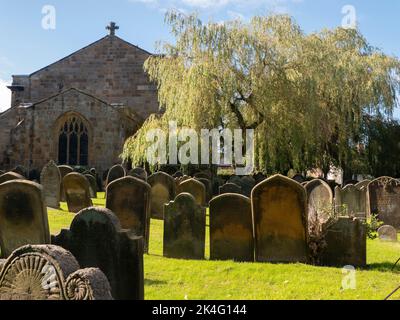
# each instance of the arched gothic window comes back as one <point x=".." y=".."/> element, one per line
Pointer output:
<point x="73" y="142"/>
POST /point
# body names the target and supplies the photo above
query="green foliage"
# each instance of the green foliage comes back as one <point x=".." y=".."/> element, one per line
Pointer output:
<point x="372" y="226"/>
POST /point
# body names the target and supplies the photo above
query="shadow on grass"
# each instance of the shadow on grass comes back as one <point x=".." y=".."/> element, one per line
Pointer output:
<point x="383" y="267"/>
<point x="149" y="282"/>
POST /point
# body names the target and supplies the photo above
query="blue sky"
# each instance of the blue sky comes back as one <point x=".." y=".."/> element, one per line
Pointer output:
<point x="27" y="47"/>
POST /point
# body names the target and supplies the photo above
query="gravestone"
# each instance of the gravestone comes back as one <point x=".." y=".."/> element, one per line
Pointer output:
<point x="363" y="184"/>
<point x="351" y="201"/>
<point x="184" y="228"/>
<point x="179" y="180"/>
<point x="129" y="198"/>
<point x="203" y="175"/>
<point x="280" y="220"/>
<point x="346" y="242"/>
<point x="21" y="170"/>
<point x="195" y="188"/>
<point x="64" y="170"/>
<point x="207" y="184"/>
<point x="231" y="228"/>
<point x="77" y="192"/>
<point x="48" y="272"/>
<point x="23" y="216"/>
<point x="50" y="179"/>
<point x="384" y="200"/>
<point x="259" y="177"/>
<point x="139" y="173"/>
<point x="177" y="174"/>
<point x="92" y="185"/>
<point x="387" y="233"/>
<point x="299" y="178"/>
<point x="236" y="180"/>
<point x="319" y="203"/>
<point x="247" y="183"/>
<point x="116" y="172"/>
<point x="96" y="240"/>
<point x="9" y="176"/>
<point x="162" y="192"/>
<point x="230" y="188"/>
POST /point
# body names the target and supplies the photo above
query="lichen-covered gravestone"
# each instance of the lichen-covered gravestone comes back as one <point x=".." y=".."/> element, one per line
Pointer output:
<point x="92" y="185"/>
<point x="139" y="173"/>
<point x="129" y="198"/>
<point x="231" y="228"/>
<point x="116" y="172"/>
<point x="64" y="170"/>
<point x="184" y="228"/>
<point x="319" y="202"/>
<point x="9" y="176"/>
<point x="280" y="220"/>
<point x="77" y="192"/>
<point x="50" y="179"/>
<point x="346" y="243"/>
<point x="195" y="188"/>
<point x="96" y="240"/>
<point x="23" y="216"/>
<point x="351" y="201"/>
<point x="230" y="188"/>
<point x="384" y="200"/>
<point x="162" y="192"/>
<point x="387" y="233"/>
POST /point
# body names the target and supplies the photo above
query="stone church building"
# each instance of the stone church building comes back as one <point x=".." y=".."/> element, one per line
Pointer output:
<point x="80" y="109"/>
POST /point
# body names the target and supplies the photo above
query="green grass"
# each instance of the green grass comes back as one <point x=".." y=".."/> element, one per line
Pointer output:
<point x="185" y="279"/>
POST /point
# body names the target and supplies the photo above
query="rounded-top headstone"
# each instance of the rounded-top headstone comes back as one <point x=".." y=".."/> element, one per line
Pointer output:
<point x="138" y="173"/>
<point x="50" y="179"/>
<point x="116" y="172"/>
<point x="387" y="233"/>
<point x="9" y="176"/>
<point x="77" y="192"/>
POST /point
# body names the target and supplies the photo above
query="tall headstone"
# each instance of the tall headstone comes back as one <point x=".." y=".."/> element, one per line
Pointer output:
<point x="280" y="220"/>
<point x="64" y="170"/>
<point x="387" y="233"/>
<point x="319" y="202"/>
<point x="96" y="240"/>
<point x="231" y="228"/>
<point x="116" y="172"/>
<point x="351" y="201"/>
<point x="50" y="179"/>
<point x="195" y="188"/>
<point x="92" y="185"/>
<point x="162" y="192"/>
<point x="230" y="188"/>
<point x="23" y="216"/>
<point x="130" y="198"/>
<point x="247" y="183"/>
<point x="384" y="200"/>
<point x="9" y="176"/>
<point x="184" y="228"/>
<point x="77" y="192"/>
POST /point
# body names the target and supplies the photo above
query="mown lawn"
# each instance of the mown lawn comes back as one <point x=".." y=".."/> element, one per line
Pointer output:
<point x="184" y="279"/>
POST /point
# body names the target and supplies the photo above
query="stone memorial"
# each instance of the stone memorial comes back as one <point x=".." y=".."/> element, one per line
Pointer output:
<point x="64" y="170"/>
<point x="139" y="173"/>
<point x="351" y="201"/>
<point x="77" y="192"/>
<point x="319" y="202"/>
<point x="387" y="233"/>
<point x="116" y="172"/>
<point x="9" y="176"/>
<point x="50" y="179"/>
<point x="230" y="188"/>
<point x="162" y="192"/>
<point x="195" y="188"/>
<point x="92" y="185"/>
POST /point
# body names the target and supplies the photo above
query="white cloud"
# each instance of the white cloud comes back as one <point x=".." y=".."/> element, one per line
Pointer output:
<point x="5" y="95"/>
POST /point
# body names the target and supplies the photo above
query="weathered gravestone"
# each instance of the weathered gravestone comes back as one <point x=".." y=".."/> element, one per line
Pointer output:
<point x="384" y="200"/>
<point x="387" y="233"/>
<point x="319" y="203"/>
<point x="116" y="172"/>
<point x="96" y="240"/>
<point x="203" y="175"/>
<point x="346" y="242"/>
<point x="184" y="228"/>
<point x="9" y="176"/>
<point x="247" y="183"/>
<point x="162" y="192"/>
<point x="92" y="185"/>
<point x="48" y="272"/>
<point x="195" y="188"/>
<point x="23" y="216"/>
<point x="64" y="170"/>
<point x="231" y="228"/>
<point x="208" y="188"/>
<point x="230" y="188"/>
<point x="129" y="198"/>
<point x="181" y="179"/>
<point x="351" y="201"/>
<point x="50" y="179"/>
<point x="138" y="173"/>
<point x="280" y="220"/>
<point x="363" y="184"/>
<point x="259" y="177"/>
<point x="77" y="192"/>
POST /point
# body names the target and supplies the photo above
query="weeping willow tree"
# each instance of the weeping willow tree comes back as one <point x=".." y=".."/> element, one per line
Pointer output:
<point x="305" y="95"/>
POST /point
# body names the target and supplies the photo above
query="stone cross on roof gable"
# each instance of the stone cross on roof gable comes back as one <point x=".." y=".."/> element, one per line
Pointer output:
<point x="112" y="27"/>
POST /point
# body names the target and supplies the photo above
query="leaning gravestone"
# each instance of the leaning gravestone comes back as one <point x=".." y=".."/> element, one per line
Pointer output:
<point x="184" y="228"/>
<point x="162" y="192"/>
<point x="351" y="201"/>
<point x="9" y="176"/>
<point x="50" y="179"/>
<point x="387" y="233"/>
<point x="48" y="272"/>
<point x="129" y="198"/>
<point x="230" y="188"/>
<point x="138" y="173"/>
<point x="96" y="240"/>
<point x="195" y="188"/>
<point x="23" y="216"/>
<point x="384" y="200"/>
<point x="231" y="228"/>
<point x="64" y="170"/>
<point x="280" y="220"/>
<point x="116" y="172"/>
<point x="346" y="243"/>
<point x="77" y="192"/>
<point x="319" y="202"/>
<point x="92" y="185"/>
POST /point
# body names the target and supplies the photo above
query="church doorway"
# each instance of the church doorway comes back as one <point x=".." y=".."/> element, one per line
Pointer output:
<point x="73" y="142"/>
